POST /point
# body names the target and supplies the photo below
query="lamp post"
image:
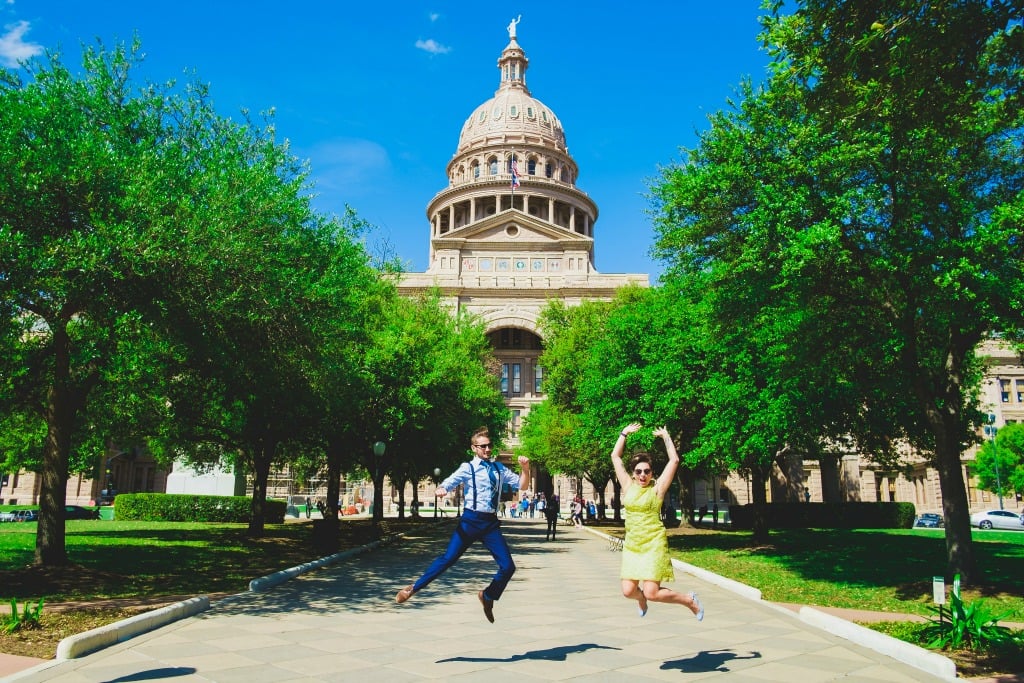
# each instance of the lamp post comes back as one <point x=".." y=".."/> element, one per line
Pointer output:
<point x="378" y="495"/>
<point x="437" y="473"/>
<point x="991" y="430"/>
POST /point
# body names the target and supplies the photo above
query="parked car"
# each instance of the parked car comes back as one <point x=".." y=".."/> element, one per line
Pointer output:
<point x="79" y="512"/>
<point x="8" y="517"/>
<point x="25" y="515"/>
<point x="998" y="519"/>
<point x="930" y="520"/>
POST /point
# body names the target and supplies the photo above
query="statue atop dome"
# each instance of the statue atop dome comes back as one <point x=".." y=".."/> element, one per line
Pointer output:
<point x="512" y="27"/>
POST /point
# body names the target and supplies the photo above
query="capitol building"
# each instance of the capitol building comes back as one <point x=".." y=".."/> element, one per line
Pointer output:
<point x="513" y="231"/>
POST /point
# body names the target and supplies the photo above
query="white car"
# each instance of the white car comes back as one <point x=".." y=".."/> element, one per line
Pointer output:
<point x="998" y="519"/>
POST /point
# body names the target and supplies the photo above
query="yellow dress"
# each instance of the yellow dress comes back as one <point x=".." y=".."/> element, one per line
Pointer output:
<point x="645" y="549"/>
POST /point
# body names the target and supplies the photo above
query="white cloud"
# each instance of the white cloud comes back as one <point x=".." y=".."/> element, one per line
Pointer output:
<point x="434" y="16"/>
<point x="12" y="48"/>
<point x="433" y="47"/>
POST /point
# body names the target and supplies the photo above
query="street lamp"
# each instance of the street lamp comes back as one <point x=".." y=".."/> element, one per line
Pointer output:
<point x="991" y="430"/>
<point x="378" y="496"/>
<point x="437" y="474"/>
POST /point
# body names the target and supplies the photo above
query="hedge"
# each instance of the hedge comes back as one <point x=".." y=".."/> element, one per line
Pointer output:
<point x="177" y="507"/>
<point x="826" y="515"/>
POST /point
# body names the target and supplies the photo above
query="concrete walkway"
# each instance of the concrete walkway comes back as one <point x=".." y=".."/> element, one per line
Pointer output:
<point x="562" y="618"/>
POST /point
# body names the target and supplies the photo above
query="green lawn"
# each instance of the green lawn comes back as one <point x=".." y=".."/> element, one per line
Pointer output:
<point x="126" y="559"/>
<point x="881" y="570"/>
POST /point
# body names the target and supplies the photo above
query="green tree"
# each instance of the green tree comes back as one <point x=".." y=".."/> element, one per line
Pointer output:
<point x="883" y="223"/>
<point x="429" y="373"/>
<point x="73" y="148"/>
<point x="999" y="466"/>
<point x="142" y="235"/>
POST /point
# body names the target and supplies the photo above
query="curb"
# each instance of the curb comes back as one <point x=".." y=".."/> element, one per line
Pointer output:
<point x="911" y="655"/>
<point x="81" y="644"/>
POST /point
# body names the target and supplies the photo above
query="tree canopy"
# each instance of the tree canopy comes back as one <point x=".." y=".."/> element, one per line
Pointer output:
<point x="855" y="224"/>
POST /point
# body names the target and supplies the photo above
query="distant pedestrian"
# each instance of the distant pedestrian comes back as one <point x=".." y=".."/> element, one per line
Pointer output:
<point x="645" y="559"/>
<point x="551" y="515"/>
<point x="483" y="480"/>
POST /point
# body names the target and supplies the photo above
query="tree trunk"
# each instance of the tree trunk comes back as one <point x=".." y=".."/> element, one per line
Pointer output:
<point x="759" y="479"/>
<point x="333" y="478"/>
<point x="61" y="406"/>
<point x="959" y="548"/>
<point x="617" y="499"/>
<point x="260" y="476"/>
<point x="50" y="538"/>
<point x="401" y="500"/>
<point x="333" y="488"/>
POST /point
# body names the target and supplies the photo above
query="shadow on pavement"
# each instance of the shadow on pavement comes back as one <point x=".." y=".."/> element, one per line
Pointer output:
<point x="553" y="654"/>
<point x="708" y="661"/>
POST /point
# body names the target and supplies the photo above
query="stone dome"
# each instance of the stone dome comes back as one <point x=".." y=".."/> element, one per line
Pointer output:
<point x="516" y="115"/>
<point x="513" y="115"/>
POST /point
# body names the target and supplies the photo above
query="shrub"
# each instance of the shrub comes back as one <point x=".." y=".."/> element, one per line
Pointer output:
<point x="972" y="625"/>
<point x="29" y="618"/>
<point x="825" y="515"/>
<point x="174" y="507"/>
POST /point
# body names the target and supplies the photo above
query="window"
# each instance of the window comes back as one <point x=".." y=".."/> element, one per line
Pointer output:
<point x="1004" y="390"/>
<point x="511" y="373"/>
<point x="531" y="167"/>
<point x="494" y="165"/>
<point x="1020" y="390"/>
<point x="538" y="379"/>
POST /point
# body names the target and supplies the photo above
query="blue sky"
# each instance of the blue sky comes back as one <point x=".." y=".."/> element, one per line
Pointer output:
<point x="374" y="94"/>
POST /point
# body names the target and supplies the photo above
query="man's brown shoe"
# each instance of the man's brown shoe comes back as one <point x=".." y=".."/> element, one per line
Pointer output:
<point x="488" y="606"/>
<point x="404" y="594"/>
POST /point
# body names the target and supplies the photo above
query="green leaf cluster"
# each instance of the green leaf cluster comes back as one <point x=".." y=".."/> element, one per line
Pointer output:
<point x="28" y="618"/>
<point x="973" y="625"/>
<point x="999" y="466"/>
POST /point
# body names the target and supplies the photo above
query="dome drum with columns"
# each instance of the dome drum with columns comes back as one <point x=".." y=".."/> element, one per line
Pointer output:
<point x="502" y="252"/>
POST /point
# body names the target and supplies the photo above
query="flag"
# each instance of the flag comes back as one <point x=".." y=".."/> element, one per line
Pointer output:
<point x="515" y="175"/>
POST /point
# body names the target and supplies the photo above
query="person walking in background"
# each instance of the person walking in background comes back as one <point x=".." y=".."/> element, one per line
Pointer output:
<point x="645" y="559"/>
<point x="482" y="481"/>
<point x="551" y="515"/>
<point x="577" y="511"/>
